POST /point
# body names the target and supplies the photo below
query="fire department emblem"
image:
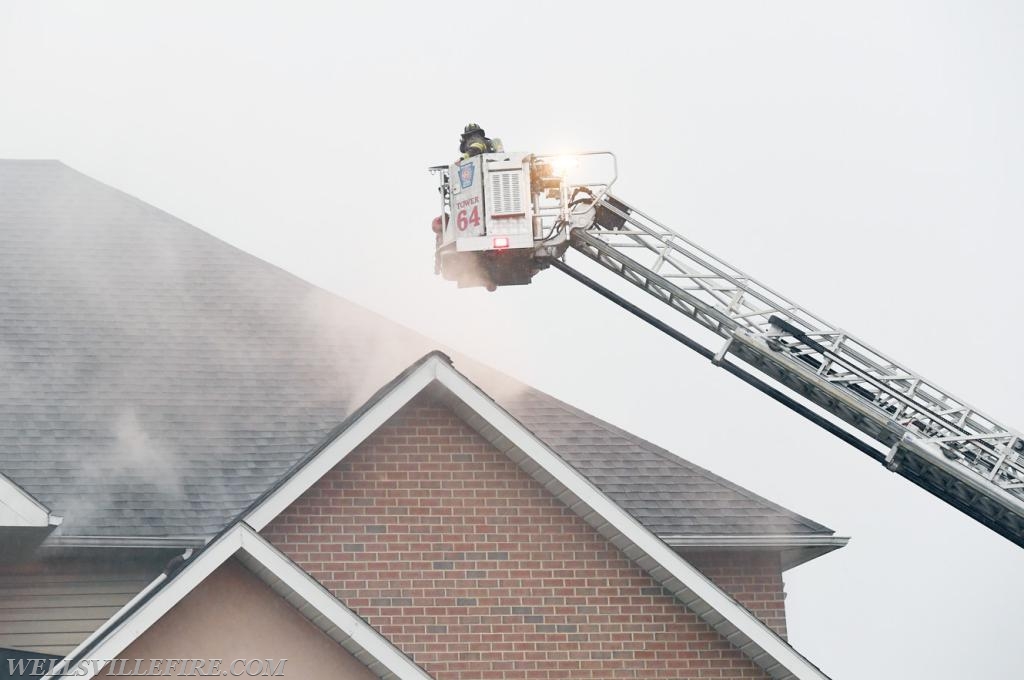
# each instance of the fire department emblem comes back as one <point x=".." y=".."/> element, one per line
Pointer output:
<point x="466" y="175"/>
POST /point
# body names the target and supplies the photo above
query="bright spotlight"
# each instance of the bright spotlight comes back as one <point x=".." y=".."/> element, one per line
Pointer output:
<point x="564" y="164"/>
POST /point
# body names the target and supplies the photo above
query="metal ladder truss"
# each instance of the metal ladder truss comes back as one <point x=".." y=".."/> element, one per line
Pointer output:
<point x="935" y="439"/>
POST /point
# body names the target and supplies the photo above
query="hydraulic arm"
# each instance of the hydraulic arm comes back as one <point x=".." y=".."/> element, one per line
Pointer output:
<point x="928" y="435"/>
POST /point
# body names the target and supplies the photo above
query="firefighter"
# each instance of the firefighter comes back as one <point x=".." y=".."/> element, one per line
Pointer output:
<point x="475" y="142"/>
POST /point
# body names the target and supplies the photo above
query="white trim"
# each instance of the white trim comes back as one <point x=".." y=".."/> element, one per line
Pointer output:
<point x="699" y="594"/>
<point x="241" y="540"/>
<point x="18" y="508"/>
<point x="168" y="542"/>
<point x="792" y="550"/>
<point x="754" y="541"/>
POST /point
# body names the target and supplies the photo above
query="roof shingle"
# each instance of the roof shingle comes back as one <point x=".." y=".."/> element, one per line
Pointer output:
<point x="157" y="380"/>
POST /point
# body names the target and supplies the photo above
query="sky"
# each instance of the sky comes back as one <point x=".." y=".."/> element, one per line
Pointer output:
<point x="863" y="158"/>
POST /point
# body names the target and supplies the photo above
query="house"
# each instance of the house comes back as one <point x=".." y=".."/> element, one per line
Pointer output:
<point x="204" y="457"/>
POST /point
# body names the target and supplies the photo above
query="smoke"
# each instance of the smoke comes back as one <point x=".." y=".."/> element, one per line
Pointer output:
<point x="141" y="454"/>
<point x="367" y="350"/>
<point x="155" y="376"/>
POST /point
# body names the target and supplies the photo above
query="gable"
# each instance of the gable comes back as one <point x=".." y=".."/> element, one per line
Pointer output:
<point x="233" y="615"/>
<point x="435" y="375"/>
<point x="471" y="566"/>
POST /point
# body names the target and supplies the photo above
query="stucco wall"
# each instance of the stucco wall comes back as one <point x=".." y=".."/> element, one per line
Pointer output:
<point x="233" y="615"/>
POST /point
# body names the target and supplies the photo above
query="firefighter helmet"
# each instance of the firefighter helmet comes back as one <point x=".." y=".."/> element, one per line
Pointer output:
<point x="472" y="132"/>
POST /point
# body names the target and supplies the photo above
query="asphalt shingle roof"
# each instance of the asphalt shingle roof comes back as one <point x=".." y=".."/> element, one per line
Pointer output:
<point x="155" y="380"/>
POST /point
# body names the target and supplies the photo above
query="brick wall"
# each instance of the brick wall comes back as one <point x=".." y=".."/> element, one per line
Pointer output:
<point x="476" y="571"/>
<point x="753" y="578"/>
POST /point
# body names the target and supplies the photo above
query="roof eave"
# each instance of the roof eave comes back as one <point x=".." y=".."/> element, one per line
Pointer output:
<point x="20" y="509"/>
<point x="24" y="521"/>
<point x="794" y="549"/>
<point x="128" y="542"/>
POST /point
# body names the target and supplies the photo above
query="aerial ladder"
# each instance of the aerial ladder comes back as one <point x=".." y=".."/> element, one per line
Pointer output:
<point x="507" y="216"/>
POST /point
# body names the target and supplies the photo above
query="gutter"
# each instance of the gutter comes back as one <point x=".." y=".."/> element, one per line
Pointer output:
<point x="794" y="549"/>
<point x="754" y="541"/>
<point x="125" y="542"/>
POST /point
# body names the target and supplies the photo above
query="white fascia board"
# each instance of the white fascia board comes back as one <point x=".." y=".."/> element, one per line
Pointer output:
<point x="343" y="444"/>
<point x="793" y="550"/>
<point x="167" y="542"/>
<point x="18" y="508"/>
<point x="753" y="541"/>
<point x="239" y="539"/>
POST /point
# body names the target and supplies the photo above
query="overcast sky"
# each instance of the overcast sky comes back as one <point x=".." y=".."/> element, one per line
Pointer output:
<point x="863" y="158"/>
